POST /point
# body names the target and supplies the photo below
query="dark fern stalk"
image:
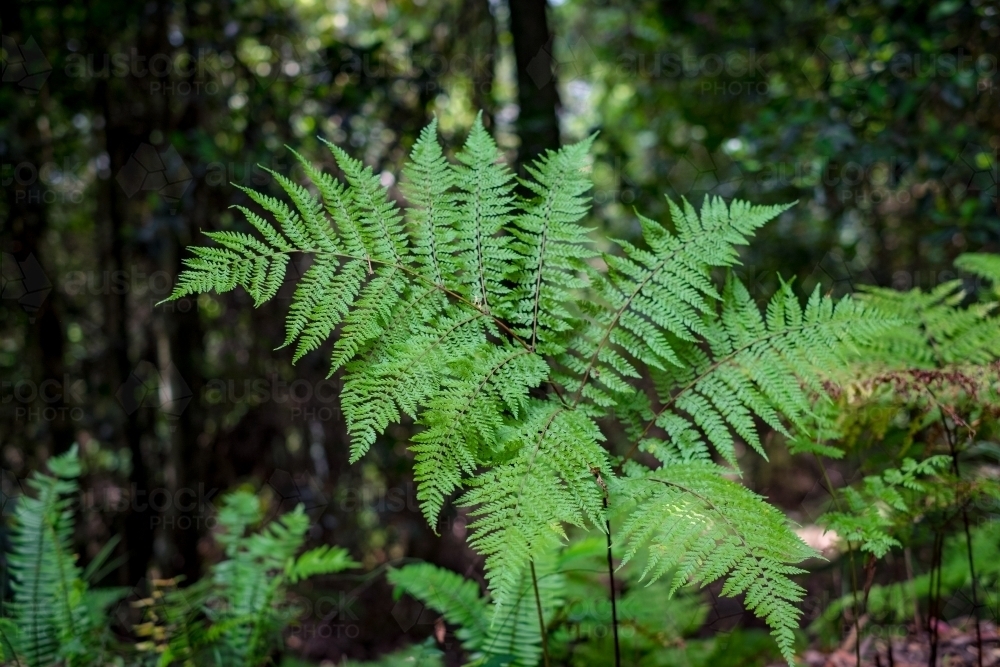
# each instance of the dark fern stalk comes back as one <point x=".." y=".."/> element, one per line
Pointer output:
<point x="611" y="583"/>
<point x="542" y="630"/>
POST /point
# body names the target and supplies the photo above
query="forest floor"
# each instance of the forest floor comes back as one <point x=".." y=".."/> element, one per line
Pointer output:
<point x="956" y="645"/>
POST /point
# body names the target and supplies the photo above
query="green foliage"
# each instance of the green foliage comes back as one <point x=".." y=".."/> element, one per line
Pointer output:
<point x="895" y="602"/>
<point x="55" y="616"/>
<point x="655" y="628"/>
<point x="237" y="614"/>
<point x="701" y="527"/>
<point x="919" y="406"/>
<point x="513" y="635"/>
<point x="233" y="616"/>
<point x="869" y="510"/>
<point x="493" y="323"/>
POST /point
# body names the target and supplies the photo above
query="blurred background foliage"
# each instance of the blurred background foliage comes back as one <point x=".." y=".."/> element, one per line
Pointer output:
<point x="124" y="123"/>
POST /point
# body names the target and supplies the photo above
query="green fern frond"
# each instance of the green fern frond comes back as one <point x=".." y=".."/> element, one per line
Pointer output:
<point x="552" y="246"/>
<point x="456" y="598"/>
<point x="769" y="366"/>
<point x="521" y="505"/>
<point x="982" y="265"/>
<point x="49" y="607"/>
<point x="870" y="509"/>
<point x="321" y="560"/>
<point x="658" y="295"/>
<point x="702" y="527"/>
<point x="428" y="182"/>
<point x="488" y="321"/>
<point x="464" y="420"/>
<point x="509" y="636"/>
<point x="485" y="201"/>
<point x="933" y="329"/>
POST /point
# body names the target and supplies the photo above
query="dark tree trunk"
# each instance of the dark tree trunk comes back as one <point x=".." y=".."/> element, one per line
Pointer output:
<point x="538" y="97"/>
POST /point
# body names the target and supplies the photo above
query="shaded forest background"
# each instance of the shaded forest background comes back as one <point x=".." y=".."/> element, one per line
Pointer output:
<point x="124" y="123"/>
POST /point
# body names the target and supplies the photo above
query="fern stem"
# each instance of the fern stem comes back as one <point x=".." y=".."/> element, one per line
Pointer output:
<point x="850" y="551"/>
<point x="611" y="583"/>
<point x="952" y="445"/>
<point x="541" y="616"/>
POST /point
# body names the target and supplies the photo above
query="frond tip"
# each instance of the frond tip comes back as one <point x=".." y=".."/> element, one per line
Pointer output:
<point x="702" y="527"/>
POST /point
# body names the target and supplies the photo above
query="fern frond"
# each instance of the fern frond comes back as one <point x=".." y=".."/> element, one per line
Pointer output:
<point x="521" y="505"/>
<point x="769" y="366"/>
<point x="49" y="606"/>
<point x="453" y="596"/>
<point x="933" y="329"/>
<point x="702" y="527"/>
<point x="983" y="265"/>
<point x="404" y="371"/>
<point x="378" y="219"/>
<point x="428" y="181"/>
<point x="551" y="246"/>
<point x="485" y="201"/>
<point x="463" y="421"/>
<point x="511" y="635"/>
<point x="321" y="560"/>
<point x="657" y="296"/>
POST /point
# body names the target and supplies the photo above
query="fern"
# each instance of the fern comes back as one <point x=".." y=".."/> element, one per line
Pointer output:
<point x="249" y="585"/>
<point x="871" y="507"/>
<point x="55" y="616"/>
<point x="513" y="636"/>
<point x="492" y="323"/>
<point x="718" y="529"/>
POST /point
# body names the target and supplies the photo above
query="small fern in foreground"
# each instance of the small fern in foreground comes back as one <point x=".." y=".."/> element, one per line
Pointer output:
<point x="55" y="615"/>
<point x="492" y="322"/>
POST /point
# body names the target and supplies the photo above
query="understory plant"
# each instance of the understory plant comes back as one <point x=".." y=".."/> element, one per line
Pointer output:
<point x="554" y="389"/>
<point x="233" y="616"/>
<point x="918" y="407"/>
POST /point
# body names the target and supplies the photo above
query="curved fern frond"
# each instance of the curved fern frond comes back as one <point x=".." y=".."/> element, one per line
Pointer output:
<point x="754" y="365"/>
<point x="521" y="505"/>
<point x="659" y="294"/>
<point x="702" y="527"/>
